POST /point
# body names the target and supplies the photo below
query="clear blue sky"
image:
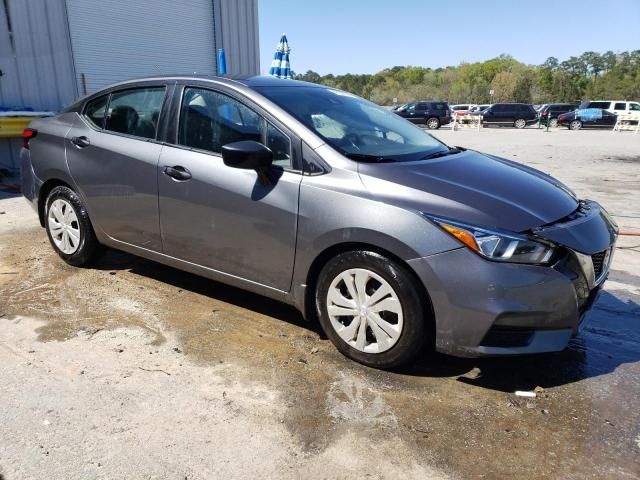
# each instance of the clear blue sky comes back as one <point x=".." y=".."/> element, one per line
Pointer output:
<point x="365" y="36"/>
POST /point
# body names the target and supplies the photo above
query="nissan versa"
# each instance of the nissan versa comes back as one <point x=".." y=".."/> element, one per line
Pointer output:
<point x="315" y="197"/>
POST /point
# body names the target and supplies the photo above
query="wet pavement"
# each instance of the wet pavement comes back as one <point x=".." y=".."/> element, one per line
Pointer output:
<point x="459" y="417"/>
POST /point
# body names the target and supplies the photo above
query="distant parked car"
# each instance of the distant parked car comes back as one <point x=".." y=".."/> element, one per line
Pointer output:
<point x="462" y="109"/>
<point x="550" y="112"/>
<point x="517" y="115"/>
<point x="619" y="107"/>
<point x="478" y="109"/>
<point x="432" y="113"/>
<point x="588" y="118"/>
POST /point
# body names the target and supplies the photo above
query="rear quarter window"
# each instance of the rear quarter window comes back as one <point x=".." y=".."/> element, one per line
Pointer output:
<point x="95" y="109"/>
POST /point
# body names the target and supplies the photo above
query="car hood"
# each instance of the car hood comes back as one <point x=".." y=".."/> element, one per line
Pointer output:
<point x="473" y="188"/>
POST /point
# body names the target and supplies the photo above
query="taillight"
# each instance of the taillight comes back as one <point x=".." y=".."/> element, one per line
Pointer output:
<point x="27" y="135"/>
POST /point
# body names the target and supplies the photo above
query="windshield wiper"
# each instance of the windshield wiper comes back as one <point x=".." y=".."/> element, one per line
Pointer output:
<point x="442" y="153"/>
<point x="363" y="157"/>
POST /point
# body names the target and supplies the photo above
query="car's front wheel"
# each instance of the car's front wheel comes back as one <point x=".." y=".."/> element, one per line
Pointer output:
<point x="553" y="123"/>
<point x="575" y="125"/>
<point x="370" y="307"/>
<point x="433" y="123"/>
<point x="520" y="123"/>
<point x="68" y="227"/>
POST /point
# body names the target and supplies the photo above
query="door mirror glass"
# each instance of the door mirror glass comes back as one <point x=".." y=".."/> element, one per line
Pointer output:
<point x="247" y="155"/>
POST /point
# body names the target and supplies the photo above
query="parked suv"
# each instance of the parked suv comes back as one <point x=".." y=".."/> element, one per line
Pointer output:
<point x="517" y="115"/>
<point x="391" y="239"/>
<point x="432" y="113"/>
<point x="550" y="112"/>
<point x="619" y="107"/>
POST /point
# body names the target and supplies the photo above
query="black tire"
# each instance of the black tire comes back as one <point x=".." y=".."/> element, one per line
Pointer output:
<point x="88" y="246"/>
<point x="432" y="123"/>
<point x="416" y="315"/>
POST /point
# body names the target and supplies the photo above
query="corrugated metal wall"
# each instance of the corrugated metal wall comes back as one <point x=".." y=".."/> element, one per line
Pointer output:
<point x="123" y="39"/>
<point x="237" y="32"/>
<point x="46" y="46"/>
<point x="36" y="62"/>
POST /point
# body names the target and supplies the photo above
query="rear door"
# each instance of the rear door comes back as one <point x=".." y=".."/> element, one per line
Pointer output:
<point x="224" y="218"/>
<point x="420" y="112"/>
<point x="112" y="155"/>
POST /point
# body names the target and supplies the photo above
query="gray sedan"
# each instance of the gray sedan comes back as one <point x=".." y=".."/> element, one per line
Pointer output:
<point x="312" y="196"/>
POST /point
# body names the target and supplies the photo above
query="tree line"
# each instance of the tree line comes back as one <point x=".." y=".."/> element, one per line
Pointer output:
<point x="592" y="75"/>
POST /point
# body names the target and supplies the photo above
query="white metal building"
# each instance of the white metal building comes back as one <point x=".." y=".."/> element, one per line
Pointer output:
<point x="54" y="51"/>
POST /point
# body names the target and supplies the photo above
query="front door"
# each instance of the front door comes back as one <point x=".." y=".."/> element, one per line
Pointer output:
<point x="225" y="218"/>
<point x="113" y="157"/>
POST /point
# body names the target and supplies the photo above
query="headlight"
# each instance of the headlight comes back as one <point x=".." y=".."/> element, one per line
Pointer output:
<point x="499" y="246"/>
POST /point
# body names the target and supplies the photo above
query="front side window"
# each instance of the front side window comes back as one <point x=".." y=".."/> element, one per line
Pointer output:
<point x="209" y="120"/>
<point x="95" y="109"/>
<point x="136" y="111"/>
<point x="355" y="127"/>
<point x="620" y="106"/>
<point x="634" y="107"/>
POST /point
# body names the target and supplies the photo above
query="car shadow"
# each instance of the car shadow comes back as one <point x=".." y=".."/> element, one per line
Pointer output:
<point x="117" y="260"/>
<point x="610" y="336"/>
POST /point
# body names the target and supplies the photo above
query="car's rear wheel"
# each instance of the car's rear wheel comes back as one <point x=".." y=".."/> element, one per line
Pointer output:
<point x="433" y="123"/>
<point x="520" y="123"/>
<point x="575" y="125"/>
<point x="370" y="307"/>
<point x="553" y="123"/>
<point x="68" y="227"/>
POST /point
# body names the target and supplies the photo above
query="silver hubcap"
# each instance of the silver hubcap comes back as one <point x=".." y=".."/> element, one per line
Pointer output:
<point x="64" y="226"/>
<point x="364" y="310"/>
<point x="554" y="123"/>
<point x="575" y="125"/>
<point x="520" y="123"/>
<point x="433" y="123"/>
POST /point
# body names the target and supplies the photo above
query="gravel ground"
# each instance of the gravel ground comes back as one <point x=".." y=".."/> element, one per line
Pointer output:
<point x="135" y="370"/>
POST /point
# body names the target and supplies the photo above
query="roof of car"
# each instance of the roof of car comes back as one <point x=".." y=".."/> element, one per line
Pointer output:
<point x="247" y="80"/>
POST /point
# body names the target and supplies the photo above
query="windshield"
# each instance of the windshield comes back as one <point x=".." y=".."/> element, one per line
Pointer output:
<point x="355" y="127"/>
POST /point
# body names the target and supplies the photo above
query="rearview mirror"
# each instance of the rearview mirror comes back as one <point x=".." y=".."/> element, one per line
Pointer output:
<point x="248" y="155"/>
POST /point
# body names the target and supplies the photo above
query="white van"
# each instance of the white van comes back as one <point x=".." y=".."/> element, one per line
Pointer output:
<point x="619" y="107"/>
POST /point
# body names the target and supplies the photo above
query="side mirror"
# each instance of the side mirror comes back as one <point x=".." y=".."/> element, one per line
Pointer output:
<point x="248" y="155"/>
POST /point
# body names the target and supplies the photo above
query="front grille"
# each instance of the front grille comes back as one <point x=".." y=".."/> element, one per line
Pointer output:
<point x="599" y="263"/>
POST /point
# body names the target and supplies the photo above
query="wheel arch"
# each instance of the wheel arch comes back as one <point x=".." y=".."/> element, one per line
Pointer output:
<point x="332" y="251"/>
<point x="45" y="189"/>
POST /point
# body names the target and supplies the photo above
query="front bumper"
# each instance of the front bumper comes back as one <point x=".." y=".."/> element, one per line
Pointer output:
<point x="491" y="308"/>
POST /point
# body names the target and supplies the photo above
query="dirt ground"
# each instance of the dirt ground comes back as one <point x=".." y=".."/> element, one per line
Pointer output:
<point x="136" y="370"/>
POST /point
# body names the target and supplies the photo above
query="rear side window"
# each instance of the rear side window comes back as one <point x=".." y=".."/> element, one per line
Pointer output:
<point x="439" y="106"/>
<point x="599" y="104"/>
<point x="620" y="106"/>
<point x="136" y="111"/>
<point x="209" y="120"/>
<point x="94" y="111"/>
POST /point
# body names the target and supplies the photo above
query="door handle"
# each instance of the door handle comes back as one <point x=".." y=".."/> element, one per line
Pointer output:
<point x="177" y="173"/>
<point x="81" y="142"/>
